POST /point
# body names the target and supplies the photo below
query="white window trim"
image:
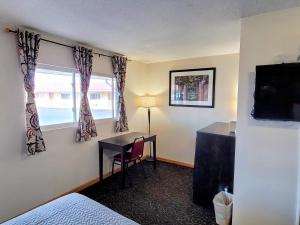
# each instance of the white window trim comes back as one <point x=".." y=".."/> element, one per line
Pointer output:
<point x="60" y="126"/>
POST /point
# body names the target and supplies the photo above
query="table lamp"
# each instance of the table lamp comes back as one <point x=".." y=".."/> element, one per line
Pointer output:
<point x="148" y="102"/>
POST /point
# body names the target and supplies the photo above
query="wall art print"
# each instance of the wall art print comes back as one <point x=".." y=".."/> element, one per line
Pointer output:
<point x="192" y="87"/>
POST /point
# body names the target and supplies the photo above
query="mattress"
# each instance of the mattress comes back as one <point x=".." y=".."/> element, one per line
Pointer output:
<point x="71" y="209"/>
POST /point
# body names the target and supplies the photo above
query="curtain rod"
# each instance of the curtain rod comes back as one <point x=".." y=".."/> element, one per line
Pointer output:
<point x="58" y="43"/>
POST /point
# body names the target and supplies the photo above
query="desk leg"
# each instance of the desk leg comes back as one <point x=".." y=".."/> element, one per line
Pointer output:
<point x="123" y="169"/>
<point x="154" y="154"/>
<point x="101" y="163"/>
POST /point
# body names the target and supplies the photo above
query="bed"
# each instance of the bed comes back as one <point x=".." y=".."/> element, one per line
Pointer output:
<point x="71" y="209"/>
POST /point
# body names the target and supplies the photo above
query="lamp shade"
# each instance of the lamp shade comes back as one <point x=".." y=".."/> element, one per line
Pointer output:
<point x="147" y="101"/>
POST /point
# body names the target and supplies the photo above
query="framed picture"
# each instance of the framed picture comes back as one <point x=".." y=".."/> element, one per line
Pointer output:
<point x="192" y="88"/>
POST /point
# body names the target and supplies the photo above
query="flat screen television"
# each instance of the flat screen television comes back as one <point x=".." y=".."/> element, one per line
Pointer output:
<point x="277" y="92"/>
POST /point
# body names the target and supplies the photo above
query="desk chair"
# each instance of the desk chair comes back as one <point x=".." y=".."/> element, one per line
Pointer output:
<point x="135" y="154"/>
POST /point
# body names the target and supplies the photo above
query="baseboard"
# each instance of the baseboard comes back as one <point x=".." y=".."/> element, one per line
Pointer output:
<point x="179" y="163"/>
<point x="91" y="182"/>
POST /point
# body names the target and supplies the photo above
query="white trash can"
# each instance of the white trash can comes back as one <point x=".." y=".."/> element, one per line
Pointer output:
<point x="223" y="207"/>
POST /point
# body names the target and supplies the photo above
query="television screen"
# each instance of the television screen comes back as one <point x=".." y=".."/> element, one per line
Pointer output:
<point x="277" y="92"/>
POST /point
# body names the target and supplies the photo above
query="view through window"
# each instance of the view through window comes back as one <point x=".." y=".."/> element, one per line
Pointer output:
<point x="58" y="96"/>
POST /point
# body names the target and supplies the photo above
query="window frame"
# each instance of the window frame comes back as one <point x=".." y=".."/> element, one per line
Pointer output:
<point x="75" y="122"/>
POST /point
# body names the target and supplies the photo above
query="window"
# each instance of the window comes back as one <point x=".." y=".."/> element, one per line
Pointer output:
<point x="100" y="97"/>
<point x="41" y="95"/>
<point x="94" y="96"/>
<point x="58" y="96"/>
<point x="65" y="95"/>
<point x="50" y="87"/>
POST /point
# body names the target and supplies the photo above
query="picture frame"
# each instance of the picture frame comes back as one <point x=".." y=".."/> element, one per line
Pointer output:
<point x="192" y="87"/>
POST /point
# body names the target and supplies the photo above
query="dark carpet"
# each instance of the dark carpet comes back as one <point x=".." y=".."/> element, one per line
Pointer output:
<point x="163" y="198"/>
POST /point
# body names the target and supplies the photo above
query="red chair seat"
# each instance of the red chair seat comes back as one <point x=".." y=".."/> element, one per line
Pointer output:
<point x="127" y="156"/>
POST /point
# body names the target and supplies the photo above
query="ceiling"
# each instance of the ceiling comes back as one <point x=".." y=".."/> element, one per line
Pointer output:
<point x="144" y="30"/>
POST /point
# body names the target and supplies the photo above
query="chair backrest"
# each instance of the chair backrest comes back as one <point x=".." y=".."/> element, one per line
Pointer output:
<point x="138" y="148"/>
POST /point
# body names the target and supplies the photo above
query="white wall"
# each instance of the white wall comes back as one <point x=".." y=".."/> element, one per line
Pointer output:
<point x="266" y="152"/>
<point x="26" y="181"/>
<point x="176" y="126"/>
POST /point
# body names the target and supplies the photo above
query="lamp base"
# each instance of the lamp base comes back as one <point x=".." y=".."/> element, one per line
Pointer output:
<point x="149" y="159"/>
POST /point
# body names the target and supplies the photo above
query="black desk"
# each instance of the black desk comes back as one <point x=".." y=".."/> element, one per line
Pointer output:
<point x="122" y="144"/>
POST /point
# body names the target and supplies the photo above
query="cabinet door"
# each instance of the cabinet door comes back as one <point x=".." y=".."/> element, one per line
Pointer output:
<point x="226" y="170"/>
<point x="213" y="168"/>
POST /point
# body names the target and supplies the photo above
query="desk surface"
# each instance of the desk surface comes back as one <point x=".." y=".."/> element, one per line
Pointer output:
<point x="126" y="139"/>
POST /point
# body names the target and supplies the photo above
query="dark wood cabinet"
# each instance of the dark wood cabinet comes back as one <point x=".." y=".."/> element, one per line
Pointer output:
<point x="214" y="162"/>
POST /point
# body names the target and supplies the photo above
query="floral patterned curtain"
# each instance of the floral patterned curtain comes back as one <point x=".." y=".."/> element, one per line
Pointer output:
<point x="84" y="61"/>
<point x="119" y="68"/>
<point x="28" y="46"/>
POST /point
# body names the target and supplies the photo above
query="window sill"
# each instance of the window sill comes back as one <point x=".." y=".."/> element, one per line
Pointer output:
<point x="106" y="120"/>
<point x="60" y="126"/>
